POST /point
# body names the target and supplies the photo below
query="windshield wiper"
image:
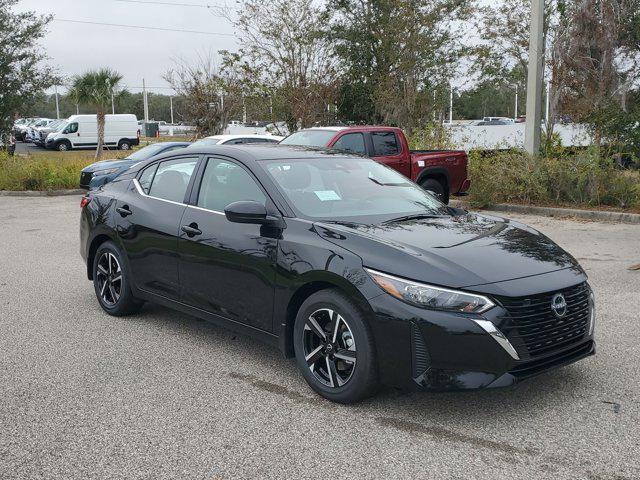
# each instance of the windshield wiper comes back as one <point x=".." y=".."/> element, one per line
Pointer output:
<point x="415" y="216"/>
<point x="387" y="184"/>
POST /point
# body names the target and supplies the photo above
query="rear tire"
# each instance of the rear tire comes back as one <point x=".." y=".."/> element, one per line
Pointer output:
<point x="334" y="347"/>
<point x="436" y="188"/>
<point x="112" y="282"/>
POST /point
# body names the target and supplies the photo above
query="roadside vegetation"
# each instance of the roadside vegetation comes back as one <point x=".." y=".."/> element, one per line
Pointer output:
<point x="583" y="179"/>
<point x="47" y="170"/>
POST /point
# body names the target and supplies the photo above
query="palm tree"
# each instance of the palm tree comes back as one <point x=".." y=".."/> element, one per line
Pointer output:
<point x="97" y="88"/>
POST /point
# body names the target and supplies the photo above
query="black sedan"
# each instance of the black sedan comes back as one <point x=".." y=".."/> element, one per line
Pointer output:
<point x="341" y="262"/>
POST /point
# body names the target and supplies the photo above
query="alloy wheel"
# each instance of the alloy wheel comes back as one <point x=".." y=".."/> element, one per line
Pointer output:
<point x="329" y="347"/>
<point x="109" y="278"/>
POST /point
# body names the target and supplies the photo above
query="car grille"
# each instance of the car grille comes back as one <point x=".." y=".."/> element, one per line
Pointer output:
<point x="85" y="179"/>
<point x="564" y="357"/>
<point x="533" y="328"/>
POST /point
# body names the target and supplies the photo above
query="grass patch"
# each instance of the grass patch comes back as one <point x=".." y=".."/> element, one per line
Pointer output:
<point x="582" y="179"/>
<point x="53" y="170"/>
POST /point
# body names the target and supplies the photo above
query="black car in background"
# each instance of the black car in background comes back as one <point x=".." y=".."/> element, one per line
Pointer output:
<point x="104" y="171"/>
<point x="341" y="262"/>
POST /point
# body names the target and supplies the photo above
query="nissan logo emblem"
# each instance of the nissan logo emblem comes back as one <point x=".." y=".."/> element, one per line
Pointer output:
<point x="559" y="305"/>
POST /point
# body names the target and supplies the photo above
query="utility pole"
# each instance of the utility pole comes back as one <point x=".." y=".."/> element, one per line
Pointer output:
<point x="434" y="105"/>
<point x="546" y="110"/>
<point x="171" y="104"/>
<point x="534" y="79"/>
<point x="113" y="105"/>
<point x="515" y="109"/>
<point x="451" y="105"/>
<point x="244" y="110"/>
<point x="145" y="102"/>
<point x="57" y="105"/>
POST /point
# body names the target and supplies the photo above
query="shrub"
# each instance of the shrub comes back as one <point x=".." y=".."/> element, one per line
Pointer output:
<point x="580" y="179"/>
<point x="42" y="172"/>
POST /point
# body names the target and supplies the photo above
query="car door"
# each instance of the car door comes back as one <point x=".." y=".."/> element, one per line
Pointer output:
<point x="387" y="149"/>
<point x="226" y="268"/>
<point x="148" y="221"/>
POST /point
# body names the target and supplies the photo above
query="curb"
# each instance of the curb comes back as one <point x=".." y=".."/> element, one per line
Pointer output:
<point x="45" y="193"/>
<point x="593" y="215"/>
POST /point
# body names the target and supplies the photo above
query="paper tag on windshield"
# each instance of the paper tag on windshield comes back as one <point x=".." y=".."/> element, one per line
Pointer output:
<point x="327" y="195"/>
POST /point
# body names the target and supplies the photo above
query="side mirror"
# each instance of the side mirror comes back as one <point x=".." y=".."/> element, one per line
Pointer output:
<point x="246" y="212"/>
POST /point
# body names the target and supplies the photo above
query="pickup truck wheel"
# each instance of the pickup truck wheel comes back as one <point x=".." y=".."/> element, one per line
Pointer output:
<point x="434" y="187"/>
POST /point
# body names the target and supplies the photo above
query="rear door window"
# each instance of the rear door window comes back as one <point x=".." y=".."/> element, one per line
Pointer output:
<point x="385" y="144"/>
<point x="172" y="179"/>
<point x="351" y="142"/>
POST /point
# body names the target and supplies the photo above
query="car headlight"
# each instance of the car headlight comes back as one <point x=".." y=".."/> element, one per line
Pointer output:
<point x="592" y="312"/>
<point x="108" y="171"/>
<point x="430" y="296"/>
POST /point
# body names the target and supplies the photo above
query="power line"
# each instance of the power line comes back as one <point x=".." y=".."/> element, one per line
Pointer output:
<point x="201" y="5"/>
<point x="153" y="2"/>
<point x="143" y="27"/>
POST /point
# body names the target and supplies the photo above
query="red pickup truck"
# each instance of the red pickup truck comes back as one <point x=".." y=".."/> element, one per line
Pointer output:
<point x="442" y="172"/>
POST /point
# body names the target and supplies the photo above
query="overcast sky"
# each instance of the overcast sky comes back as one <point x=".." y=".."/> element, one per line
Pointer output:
<point x="135" y="53"/>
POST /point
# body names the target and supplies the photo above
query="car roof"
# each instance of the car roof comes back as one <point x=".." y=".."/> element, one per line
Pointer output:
<point x="250" y="153"/>
<point x="246" y="135"/>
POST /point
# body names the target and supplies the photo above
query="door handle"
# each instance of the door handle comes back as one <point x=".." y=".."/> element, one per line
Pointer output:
<point x="124" y="211"/>
<point x="191" y="230"/>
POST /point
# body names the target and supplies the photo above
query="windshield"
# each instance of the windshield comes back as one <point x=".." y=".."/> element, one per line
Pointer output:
<point x="205" y="142"/>
<point x="349" y="189"/>
<point x="147" y="152"/>
<point x="62" y="126"/>
<point x="309" y="138"/>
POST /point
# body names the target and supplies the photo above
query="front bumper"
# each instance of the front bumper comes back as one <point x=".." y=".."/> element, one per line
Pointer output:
<point x="422" y="349"/>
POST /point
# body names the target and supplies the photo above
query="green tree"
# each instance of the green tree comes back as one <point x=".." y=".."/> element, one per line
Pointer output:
<point x="97" y="88"/>
<point x="23" y="77"/>
<point x="285" y="55"/>
<point x="394" y="54"/>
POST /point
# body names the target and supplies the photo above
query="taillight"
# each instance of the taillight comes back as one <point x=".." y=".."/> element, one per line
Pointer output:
<point x="85" y="201"/>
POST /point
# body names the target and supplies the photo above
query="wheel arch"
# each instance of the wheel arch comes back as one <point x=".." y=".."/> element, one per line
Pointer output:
<point x="305" y="290"/>
<point x="437" y="173"/>
<point x="93" y="248"/>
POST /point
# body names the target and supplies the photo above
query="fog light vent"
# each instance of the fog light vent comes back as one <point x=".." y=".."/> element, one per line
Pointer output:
<point x="421" y="359"/>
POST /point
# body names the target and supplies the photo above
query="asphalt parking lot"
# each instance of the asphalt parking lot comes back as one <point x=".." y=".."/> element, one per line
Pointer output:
<point x="163" y="395"/>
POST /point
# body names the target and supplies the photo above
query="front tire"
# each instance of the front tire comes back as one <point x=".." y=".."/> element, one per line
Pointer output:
<point x="334" y="348"/>
<point x="63" y="146"/>
<point x="124" y="145"/>
<point x="112" y="282"/>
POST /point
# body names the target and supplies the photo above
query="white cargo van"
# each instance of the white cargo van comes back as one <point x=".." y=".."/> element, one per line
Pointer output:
<point x="81" y="131"/>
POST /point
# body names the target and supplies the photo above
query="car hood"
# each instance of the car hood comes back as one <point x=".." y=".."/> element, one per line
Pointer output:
<point x="105" y="164"/>
<point x="457" y="251"/>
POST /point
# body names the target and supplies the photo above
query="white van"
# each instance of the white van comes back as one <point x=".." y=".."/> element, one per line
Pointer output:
<point x="81" y="131"/>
